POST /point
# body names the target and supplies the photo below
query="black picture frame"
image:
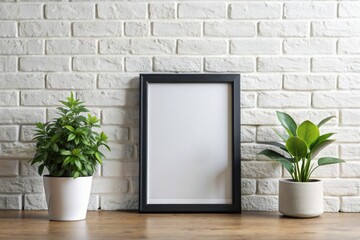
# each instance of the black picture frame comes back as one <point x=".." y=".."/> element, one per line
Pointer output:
<point x="234" y="81"/>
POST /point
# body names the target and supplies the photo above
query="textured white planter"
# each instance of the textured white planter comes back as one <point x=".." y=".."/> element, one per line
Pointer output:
<point x="301" y="199"/>
<point x="67" y="198"/>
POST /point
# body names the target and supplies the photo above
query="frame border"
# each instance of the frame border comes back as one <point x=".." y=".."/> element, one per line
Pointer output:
<point x="234" y="80"/>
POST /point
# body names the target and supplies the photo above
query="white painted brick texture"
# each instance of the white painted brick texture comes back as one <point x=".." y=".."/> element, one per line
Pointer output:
<point x="302" y="57"/>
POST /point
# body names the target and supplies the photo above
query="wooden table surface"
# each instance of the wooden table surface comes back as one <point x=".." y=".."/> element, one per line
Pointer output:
<point x="132" y="225"/>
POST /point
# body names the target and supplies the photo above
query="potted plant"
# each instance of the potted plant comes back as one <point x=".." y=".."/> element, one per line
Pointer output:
<point x="69" y="149"/>
<point x="301" y="196"/>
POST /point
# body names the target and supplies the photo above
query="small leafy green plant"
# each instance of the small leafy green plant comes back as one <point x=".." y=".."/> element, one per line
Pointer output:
<point x="68" y="146"/>
<point x="302" y="144"/>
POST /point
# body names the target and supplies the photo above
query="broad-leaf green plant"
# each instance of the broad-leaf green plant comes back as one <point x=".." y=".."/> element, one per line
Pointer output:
<point x="68" y="146"/>
<point x="302" y="144"/>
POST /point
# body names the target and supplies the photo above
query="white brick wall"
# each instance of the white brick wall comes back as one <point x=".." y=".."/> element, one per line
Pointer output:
<point x="299" y="56"/>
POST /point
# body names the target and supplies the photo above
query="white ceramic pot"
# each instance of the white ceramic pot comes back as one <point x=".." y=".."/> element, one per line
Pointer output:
<point x="301" y="199"/>
<point x="67" y="198"/>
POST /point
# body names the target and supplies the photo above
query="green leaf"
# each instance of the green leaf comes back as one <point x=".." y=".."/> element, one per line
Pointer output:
<point x="329" y="160"/>
<point x="97" y="156"/>
<point x="65" y="152"/>
<point x="76" y="174"/>
<point x="41" y="169"/>
<point x="71" y="137"/>
<point x="308" y="132"/>
<point x="276" y="144"/>
<point x="296" y="147"/>
<point x="325" y="120"/>
<point x="287" y="122"/>
<point x="320" y="146"/>
<point x="321" y="139"/>
<point x="70" y="128"/>
<point x="286" y="162"/>
<point x="55" y="147"/>
<point x="78" y="164"/>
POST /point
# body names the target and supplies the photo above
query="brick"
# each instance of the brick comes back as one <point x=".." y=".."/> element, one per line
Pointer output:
<point x="176" y="29"/>
<point x="255" y="46"/>
<point x="97" y="29"/>
<point x="21" y="116"/>
<point x="202" y="10"/>
<point x="284" y="99"/>
<point x="162" y="10"/>
<point x="268" y="186"/>
<point x="120" y="169"/>
<point x="12" y="47"/>
<point x="283" y="64"/>
<point x="309" y="82"/>
<point x="35" y="202"/>
<point x="349" y="10"/>
<point x="310" y="10"/>
<point x="284" y="29"/>
<point x="309" y="46"/>
<point x="94" y="203"/>
<point x="8" y="64"/>
<point x="339" y="99"/>
<point x="229" y="64"/>
<point x="70" y="11"/>
<point x="350" y="117"/>
<point x="349" y="46"/>
<point x="111" y="64"/>
<point x="336" y="64"/>
<point x="32" y="185"/>
<point x="109" y="98"/>
<point x="349" y="82"/>
<point x="118" y="81"/>
<point x="9" y="168"/>
<point x="116" y="133"/>
<point x="331" y="204"/>
<point x="17" y="150"/>
<point x="129" y="117"/>
<point x="153" y="46"/>
<point x="8" y="133"/>
<point x="107" y="185"/>
<point x="10" y="202"/>
<point x="137" y="46"/>
<point x="260" y="169"/>
<point x="267" y="134"/>
<point x="194" y="46"/>
<point x="20" y="11"/>
<point x="347" y="134"/>
<point x="21" y="81"/>
<point x="329" y="171"/>
<point x="27" y="133"/>
<point x="9" y="98"/>
<point x="350" y="204"/>
<point x="335" y="28"/>
<point x="247" y="100"/>
<point x="350" y="170"/>
<point x="44" y="29"/>
<point x="46" y="64"/>
<point x="248" y="186"/>
<point x="249" y="151"/>
<point x="340" y="187"/>
<point x="259" y="203"/>
<point x="138" y="64"/>
<point x="7" y="29"/>
<point x="248" y="134"/>
<point x="255" y="11"/>
<point x="121" y="10"/>
<point x="350" y="151"/>
<point x="119" y="202"/>
<point x="177" y="64"/>
<point x="139" y="29"/>
<point x="26" y="169"/>
<point x="77" y="46"/>
<point x="70" y="81"/>
<point x="229" y="29"/>
<point x="261" y="82"/>
<point x="47" y="98"/>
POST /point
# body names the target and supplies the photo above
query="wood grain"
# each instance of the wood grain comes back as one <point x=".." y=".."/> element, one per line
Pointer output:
<point x="132" y="225"/>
